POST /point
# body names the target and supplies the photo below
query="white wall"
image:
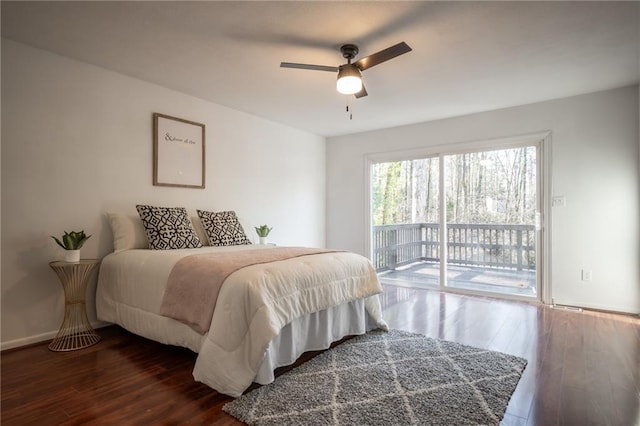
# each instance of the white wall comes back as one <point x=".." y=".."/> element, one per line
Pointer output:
<point x="77" y="142"/>
<point x="594" y="164"/>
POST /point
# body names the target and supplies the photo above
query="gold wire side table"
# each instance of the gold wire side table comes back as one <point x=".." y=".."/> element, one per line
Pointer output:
<point x="76" y="331"/>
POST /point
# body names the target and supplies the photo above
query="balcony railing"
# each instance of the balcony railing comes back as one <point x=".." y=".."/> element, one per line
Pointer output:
<point x="489" y="246"/>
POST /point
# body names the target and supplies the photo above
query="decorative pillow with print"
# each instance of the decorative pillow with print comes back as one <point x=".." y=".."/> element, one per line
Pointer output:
<point x="223" y="228"/>
<point x="168" y="228"/>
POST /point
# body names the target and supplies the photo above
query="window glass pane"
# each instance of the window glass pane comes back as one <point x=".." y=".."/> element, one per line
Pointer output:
<point x="405" y="215"/>
<point x="491" y="210"/>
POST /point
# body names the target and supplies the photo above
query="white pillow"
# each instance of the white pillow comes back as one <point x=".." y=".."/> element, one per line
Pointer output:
<point x="128" y="232"/>
<point x="197" y="226"/>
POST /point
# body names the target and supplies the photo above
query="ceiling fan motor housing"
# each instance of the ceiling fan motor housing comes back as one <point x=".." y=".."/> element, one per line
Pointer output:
<point x="349" y="51"/>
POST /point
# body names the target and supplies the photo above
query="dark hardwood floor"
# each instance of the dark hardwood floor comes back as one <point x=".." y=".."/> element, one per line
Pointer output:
<point x="584" y="367"/>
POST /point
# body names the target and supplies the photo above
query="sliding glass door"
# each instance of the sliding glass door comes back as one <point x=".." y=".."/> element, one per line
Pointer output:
<point x="491" y="208"/>
<point x="405" y="217"/>
<point x="464" y="220"/>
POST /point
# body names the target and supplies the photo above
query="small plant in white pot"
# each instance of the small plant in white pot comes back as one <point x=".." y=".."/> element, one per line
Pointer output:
<point x="71" y="243"/>
<point x="263" y="233"/>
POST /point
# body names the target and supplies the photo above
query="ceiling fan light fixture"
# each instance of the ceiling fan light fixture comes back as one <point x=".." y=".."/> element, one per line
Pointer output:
<point x="349" y="79"/>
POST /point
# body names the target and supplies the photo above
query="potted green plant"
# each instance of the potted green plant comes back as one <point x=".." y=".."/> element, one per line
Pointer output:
<point x="263" y="232"/>
<point x="72" y="242"/>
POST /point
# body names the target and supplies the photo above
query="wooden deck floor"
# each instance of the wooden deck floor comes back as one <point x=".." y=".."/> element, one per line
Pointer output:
<point x="493" y="280"/>
<point x="583" y="367"/>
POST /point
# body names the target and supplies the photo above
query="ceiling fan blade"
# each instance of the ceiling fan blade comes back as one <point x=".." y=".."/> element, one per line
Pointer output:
<point x="308" y="67"/>
<point x="383" y="56"/>
<point x="362" y="93"/>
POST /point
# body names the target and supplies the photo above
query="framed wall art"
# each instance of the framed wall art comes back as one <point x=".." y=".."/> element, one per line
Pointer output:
<point x="178" y="152"/>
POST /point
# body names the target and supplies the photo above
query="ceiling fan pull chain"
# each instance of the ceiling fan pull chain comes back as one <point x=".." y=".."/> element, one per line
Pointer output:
<point x="348" y="110"/>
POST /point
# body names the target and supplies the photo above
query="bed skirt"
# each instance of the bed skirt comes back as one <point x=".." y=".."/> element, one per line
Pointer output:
<point x="309" y="333"/>
<point x="313" y="332"/>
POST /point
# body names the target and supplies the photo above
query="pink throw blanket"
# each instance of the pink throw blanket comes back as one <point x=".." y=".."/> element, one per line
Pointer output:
<point x="195" y="281"/>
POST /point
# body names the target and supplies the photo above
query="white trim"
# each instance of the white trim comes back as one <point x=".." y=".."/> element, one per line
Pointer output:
<point x="367" y="209"/>
<point x="457" y="147"/>
<point x="30" y="340"/>
<point x="444" y="252"/>
<point x="544" y="236"/>
<point x="597" y="307"/>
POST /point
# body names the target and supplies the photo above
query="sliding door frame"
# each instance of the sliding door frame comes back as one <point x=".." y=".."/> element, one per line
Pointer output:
<point x="542" y="142"/>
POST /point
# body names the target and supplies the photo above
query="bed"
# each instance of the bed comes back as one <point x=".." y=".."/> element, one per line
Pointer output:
<point x="320" y="298"/>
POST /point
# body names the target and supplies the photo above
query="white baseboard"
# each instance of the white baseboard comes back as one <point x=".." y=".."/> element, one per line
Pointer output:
<point x="24" y="341"/>
<point x="612" y="309"/>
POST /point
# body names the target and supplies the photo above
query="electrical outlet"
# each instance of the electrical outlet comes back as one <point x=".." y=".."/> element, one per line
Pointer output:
<point x="587" y="275"/>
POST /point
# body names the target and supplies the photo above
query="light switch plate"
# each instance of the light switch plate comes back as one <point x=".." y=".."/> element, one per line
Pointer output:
<point x="558" y="201"/>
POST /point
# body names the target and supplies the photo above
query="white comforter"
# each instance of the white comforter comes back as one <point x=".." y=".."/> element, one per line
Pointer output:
<point x="253" y="306"/>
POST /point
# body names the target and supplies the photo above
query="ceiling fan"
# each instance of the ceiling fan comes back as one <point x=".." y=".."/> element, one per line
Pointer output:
<point x="349" y="74"/>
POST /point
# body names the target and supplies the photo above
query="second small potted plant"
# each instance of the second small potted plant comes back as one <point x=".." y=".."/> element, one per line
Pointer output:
<point x="71" y="243"/>
<point x="263" y="232"/>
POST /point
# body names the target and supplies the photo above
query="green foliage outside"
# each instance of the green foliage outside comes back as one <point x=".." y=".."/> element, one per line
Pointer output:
<point x="492" y="187"/>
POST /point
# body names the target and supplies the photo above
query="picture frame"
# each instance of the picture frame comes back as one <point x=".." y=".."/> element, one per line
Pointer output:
<point x="178" y="152"/>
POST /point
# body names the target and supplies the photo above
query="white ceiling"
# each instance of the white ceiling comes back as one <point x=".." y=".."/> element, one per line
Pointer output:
<point x="467" y="56"/>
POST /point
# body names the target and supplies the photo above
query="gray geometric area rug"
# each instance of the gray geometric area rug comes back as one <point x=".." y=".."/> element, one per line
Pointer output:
<point x="388" y="378"/>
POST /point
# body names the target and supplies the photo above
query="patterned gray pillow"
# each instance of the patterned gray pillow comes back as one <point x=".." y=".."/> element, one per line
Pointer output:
<point x="223" y="228"/>
<point x="168" y="228"/>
